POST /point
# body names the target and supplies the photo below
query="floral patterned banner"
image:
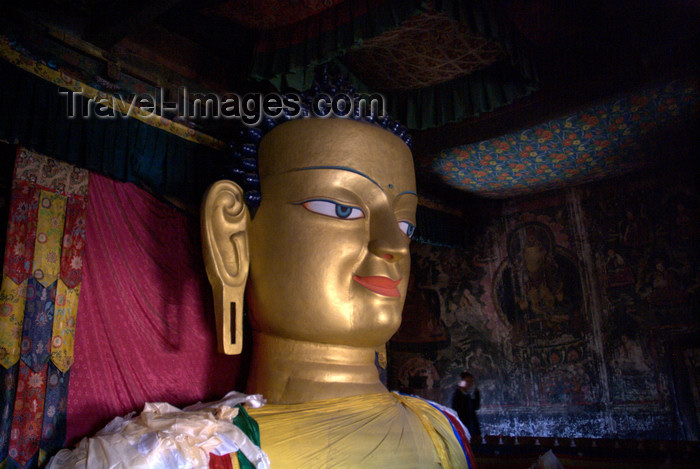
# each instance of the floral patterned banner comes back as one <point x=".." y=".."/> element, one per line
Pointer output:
<point x="73" y="242"/>
<point x="25" y="434"/>
<point x="38" y="318"/>
<point x="8" y="388"/>
<point x="53" y="428"/>
<point x="21" y="231"/>
<point x="38" y="305"/>
<point x="49" y="237"/>
<point x="64" y="317"/>
<point x="55" y="176"/>
<point x="12" y="298"/>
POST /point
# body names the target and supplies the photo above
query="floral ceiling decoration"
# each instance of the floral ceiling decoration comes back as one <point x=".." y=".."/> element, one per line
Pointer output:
<point x="609" y="139"/>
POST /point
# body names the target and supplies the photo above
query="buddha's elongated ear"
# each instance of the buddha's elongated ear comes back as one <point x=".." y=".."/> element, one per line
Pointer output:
<point x="225" y="221"/>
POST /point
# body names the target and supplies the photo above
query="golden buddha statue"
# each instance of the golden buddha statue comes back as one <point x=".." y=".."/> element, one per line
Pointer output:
<point x="324" y="266"/>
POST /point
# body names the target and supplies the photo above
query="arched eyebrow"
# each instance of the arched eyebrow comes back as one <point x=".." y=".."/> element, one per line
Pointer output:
<point x="354" y="171"/>
<point x="341" y="168"/>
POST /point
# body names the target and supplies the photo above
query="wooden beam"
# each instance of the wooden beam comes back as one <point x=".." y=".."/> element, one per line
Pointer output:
<point x="184" y="57"/>
<point x="118" y="20"/>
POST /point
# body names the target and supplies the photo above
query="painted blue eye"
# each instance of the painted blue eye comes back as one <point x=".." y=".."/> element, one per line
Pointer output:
<point x="343" y="211"/>
<point x="333" y="209"/>
<point x="407" y="228"/>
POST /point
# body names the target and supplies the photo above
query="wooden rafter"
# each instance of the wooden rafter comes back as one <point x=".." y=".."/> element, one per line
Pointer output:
<point x="118" y="20"/>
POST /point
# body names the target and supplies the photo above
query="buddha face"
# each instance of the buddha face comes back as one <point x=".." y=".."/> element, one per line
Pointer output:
<point x="329" y="258"/>
<point x="534" y="257"/>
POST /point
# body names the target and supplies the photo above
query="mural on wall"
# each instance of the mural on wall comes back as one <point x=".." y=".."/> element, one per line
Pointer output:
<point x="564" y="309"/>
<point x="538" y="288"/>
<point x="692" y="362"/>
<point x="642" y="242"/>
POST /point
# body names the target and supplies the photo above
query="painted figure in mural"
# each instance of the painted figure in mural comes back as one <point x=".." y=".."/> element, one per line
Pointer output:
<point x="328" y="251"/>
<point x="538" y="288"/>
<point x="634" y="231"/>
<point x="543" y="286"/>
<point x="662" y="285"/>
<point x="421" y="326"/>
<point x="483" y="365"/>
<point x="480" y="362"/>
<point x="418" y="376"/>
<point x="538" y="284"/>
<point x="618" y="272"/>
<point x="629" y="357"/>
<point x="684" y="227"/>
<point x="466" y="400"/>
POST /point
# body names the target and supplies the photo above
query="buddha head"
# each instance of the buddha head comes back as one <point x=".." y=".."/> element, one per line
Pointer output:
<point x="326" y="257"/>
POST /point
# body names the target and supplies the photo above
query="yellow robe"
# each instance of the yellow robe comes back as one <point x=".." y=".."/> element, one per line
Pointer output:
<point x="369" y="431"/>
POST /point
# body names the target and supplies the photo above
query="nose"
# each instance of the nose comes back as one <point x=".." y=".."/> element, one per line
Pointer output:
<point x="386" y="238"/>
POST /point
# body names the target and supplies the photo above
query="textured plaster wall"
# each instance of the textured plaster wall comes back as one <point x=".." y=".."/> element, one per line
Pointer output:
<point x="577" y="311"/>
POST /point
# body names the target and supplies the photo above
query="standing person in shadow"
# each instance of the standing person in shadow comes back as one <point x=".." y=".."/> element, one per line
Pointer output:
<point x="466" y="401"/>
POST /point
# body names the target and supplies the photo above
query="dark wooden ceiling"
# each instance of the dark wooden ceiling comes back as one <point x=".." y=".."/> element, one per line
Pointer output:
<point x="584" y="52"/>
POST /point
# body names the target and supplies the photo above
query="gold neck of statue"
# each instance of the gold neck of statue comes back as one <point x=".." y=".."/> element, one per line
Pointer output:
<point x="287" y="371"/>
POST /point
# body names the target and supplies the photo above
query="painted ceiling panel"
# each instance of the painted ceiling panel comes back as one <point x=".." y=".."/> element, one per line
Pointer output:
<point x="609" y="139"/>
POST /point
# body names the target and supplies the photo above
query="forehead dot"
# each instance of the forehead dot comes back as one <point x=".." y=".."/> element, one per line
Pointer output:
<point x="391" y="186"/>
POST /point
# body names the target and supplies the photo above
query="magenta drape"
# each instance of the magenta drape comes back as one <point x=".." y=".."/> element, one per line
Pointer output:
<point x="145" y="326"/>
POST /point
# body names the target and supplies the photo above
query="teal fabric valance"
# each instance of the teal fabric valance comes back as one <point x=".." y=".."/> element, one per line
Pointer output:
<point x="34" y="114"/>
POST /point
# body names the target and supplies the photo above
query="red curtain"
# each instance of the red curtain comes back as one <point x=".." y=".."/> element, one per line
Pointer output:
<point x="145" y="326"/>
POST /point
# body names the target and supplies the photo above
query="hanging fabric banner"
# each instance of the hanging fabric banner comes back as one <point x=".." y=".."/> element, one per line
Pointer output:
<point x="38" y="305"/>
<point x="145" y="325"/>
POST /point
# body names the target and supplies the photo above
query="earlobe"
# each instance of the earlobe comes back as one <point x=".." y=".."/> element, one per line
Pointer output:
<point x="224" y="223"/>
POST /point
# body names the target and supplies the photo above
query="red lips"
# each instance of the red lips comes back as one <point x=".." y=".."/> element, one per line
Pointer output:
<point x="382" y="285"/>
